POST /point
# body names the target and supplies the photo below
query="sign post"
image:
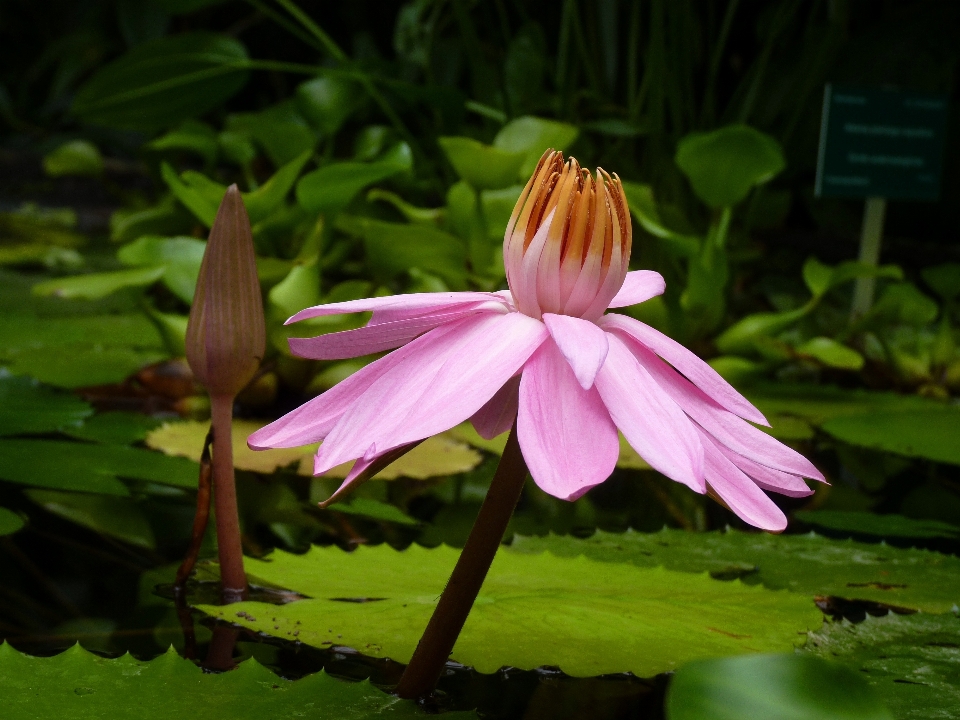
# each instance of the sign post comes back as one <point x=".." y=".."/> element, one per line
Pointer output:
<point x="879" y="144"/>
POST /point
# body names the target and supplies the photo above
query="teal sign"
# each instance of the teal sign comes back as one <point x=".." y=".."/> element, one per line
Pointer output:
<point x="880" y="143"/>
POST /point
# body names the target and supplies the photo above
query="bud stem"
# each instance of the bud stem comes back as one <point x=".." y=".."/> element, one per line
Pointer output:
<point x="438" y="639"/>
<point x="232" y="577"/>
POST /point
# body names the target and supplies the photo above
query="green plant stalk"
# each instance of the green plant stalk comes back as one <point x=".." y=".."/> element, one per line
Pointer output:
<point x="233" y="579"/>
<point x="467" y="578"/>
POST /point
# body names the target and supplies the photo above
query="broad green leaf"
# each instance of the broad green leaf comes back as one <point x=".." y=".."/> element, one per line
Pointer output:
<point x="192" y="136"/>
<point x="326" y="101"/>
<point x="331" y="188"/>
<point x="772" y="687"/>
<point x="817" y="276"/>
<point x="831" y="353"/>
<point x="202" y="196"/>
<point x="117" y="517"/>
<point x="532" y="136"/>
<point x="497" y="207"/>
<point x="84" y="467"/>
<point x="280" y="130"/>
<point x="587" y="617"/>
<point x="374" y="509"/>
<point x="51" y="256"/>
<point x="164" y="218"/>
<point x="119" y="428"/>
<point x="97" y="285"/>
<point x="393" y="248"/>
<point x="725" y="164"/>
<point x="82" y="686"/>
<point x="643" y="207"/>
<point x="27" y="407"/>
<point x="930" y="433"/>
<point x="161" y="83"/>
<point x="787" y="427"/>
<point x="298" y="290"/>
<point x="237" y="147"/>
<point x="943" y="279"/>
<point x="77" y="157"/>
<point x="739" y="337"/>
<point x="83" y="365"/>
<point x="436" y="456"/>
<point x="911" y="661"/>
<point x="17" y="336"/>
<point x="882" y="526"/>
<point x="483" y="166"/>
<point x="10" y="522"/>
<point x="806" y="564"/>
<point x="903" y="303"/>
<point x="820" y="278"/>
<point x="410" y="212"/>
<point x="180" y="256"/>
<point x="465" y="217"/>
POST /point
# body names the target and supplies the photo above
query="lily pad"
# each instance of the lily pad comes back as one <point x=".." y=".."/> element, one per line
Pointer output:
<point x="83" y="366"/>
<point x="911" y="661"/>
<point x="809" y="564"/>
<point x="83" y="467"/>
<point x="28" y="407"/>
<point x="587" y="617"/>
<point x="119" y="428"/>
<point x="928" y="433"/>
<point x="772" y="687"/>
<point x="884" y="526"/>
<point x="118" y="517"/>
<point x="10" y="522"/>
<point x="374" y="509"/>
<point x="79" y="685"/>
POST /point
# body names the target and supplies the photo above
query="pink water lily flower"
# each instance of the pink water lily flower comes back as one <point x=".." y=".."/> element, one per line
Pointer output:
<point x="545" y="354"/>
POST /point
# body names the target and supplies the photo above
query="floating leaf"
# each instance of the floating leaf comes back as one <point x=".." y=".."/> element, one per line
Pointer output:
<point x="27" y="407"/>
<point x="435" y="457"/>
<point x="331" y="188"/>
<point x="82" y="686"/>
<point x="162" y="82"/>
<point x="119" y="428"/>
<point x="883" y="526"/>
<point x="929" y="433"/>
<point x="118" y="517"/>
<point x="83" y="467"/>
<point x="725" y="164"/>
<point x="772" y="687"/>
<point x="533" y="136"/>
<point x="808" y="564"/>
<point x="77" y="157"/>
<point x="586" y="617"/>
<point x="97" y="285"/>
<point x="911" y="661"/>
<point x="81" y="365"/>
<point x="483" y="166"/>
<point x="10" y="522"/>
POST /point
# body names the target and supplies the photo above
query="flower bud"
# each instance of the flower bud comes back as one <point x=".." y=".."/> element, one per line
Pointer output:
<point x="225" y="334"/>
<point x="567" y="245"/>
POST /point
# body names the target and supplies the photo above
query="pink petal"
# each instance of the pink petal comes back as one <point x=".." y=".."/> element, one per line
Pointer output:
<point x="364" y="469"/>
<point x="639" y="286"/>
<point x="739" y="492"/>
<point x="378" y="337"/>
<point x="567" y="437"/>
<point x="444" y="381"/>
<point x="695" y="369"/>
<point x="524" y="285"/>
<point x="386" y="315"/>
<point x="767" y="478"/>
<point x="498" y="415"/>
<point x="732" y="431"/>
<point x="422" y="302"/>
<point x="582" y="343"/>
<point x="649" y="418"/>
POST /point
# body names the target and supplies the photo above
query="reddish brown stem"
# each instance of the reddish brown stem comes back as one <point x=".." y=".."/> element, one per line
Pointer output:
<point x="201" y="517"/>
<point x="232" y="577"/>
<point x="465" y="582"/>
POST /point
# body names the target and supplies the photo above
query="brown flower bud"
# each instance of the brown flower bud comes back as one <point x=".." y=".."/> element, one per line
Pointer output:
<point x="225" y="334"/>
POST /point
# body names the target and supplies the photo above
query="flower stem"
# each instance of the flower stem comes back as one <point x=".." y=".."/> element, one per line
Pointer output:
<point x="464" y="585"/>
<point x="232" y="577"/>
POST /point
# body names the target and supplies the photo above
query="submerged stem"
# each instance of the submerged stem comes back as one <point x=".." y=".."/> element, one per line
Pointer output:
<point x="199" y="519"/>
<point x="232" y="577"/>
<point x="464" y="585"/>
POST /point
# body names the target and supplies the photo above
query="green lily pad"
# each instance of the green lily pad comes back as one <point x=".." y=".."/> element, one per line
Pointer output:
<point x="94" y="286"/>
<point x="83" y="467"/>
<point x="118" y="517"/>
<point x="807" y="564"/>
<point x="911" y="661"/>
<point x="772" y="687"/>
<point x="28" y="407"/>
<point x="119" y="428"/>
<point x="82" y="366"/>
<point x="587" y="617"/>
<point x="79" y="685"/>
<point x="375" y="510"/>
<point x="929" y="433"/>
<point x="884" y="526"/>
<point x="10" y="522"/>
<point x="130" y="331"/>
